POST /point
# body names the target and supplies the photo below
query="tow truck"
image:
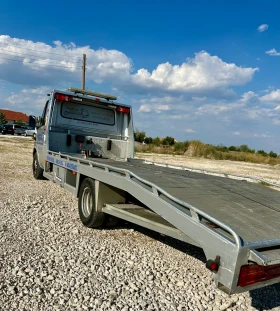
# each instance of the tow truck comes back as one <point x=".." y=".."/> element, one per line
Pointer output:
<point x="91" y="155"/>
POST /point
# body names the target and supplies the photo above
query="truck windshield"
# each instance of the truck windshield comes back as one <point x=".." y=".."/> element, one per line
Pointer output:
<point x="87" y="113"/>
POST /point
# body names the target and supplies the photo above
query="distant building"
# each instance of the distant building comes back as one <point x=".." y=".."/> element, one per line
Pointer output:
<point x="14" y="116"/>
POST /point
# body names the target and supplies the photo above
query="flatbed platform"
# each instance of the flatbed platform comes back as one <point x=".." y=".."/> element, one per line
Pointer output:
<point x="252" y="210"/>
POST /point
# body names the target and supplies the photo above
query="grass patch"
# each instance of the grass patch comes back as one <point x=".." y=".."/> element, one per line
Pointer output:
<point x="265" y="184"/>
<point x="198" y="149"/>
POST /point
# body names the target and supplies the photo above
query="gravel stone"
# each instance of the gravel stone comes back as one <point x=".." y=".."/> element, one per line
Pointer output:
<point x="49" y="261"/>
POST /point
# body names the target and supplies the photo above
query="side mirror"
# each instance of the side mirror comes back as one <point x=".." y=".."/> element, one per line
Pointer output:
<point x="39" y="122"/>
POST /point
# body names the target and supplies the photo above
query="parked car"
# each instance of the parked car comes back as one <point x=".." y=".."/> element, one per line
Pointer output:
<point x="30" y="131"/>
<point x="19" y="130"/>
<point x="8" y="129"/>
<point x="12" y="129"/>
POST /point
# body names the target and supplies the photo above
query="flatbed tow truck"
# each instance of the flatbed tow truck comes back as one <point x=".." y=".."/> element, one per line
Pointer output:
<point x="85" y="143"/>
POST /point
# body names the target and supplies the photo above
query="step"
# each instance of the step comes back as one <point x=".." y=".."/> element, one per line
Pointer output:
<point x="146" y="218"/>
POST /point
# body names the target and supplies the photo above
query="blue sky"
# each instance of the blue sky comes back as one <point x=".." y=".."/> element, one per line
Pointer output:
<point x="205" y="70"/>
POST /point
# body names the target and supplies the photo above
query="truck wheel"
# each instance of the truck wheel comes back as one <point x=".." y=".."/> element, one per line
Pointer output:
<point x="89" y="215"/>
<point x="37" y="170"/>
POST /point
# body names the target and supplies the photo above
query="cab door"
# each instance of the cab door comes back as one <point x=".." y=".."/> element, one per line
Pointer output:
<point x="42" y="135"/>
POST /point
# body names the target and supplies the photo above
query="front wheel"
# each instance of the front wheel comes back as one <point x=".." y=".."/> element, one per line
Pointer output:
<point x="36" y="168"/>
<point x="88" y="212"/>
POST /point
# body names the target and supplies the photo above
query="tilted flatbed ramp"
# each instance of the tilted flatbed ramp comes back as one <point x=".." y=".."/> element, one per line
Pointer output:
<point x="235" y="221"/>
<point x="252" y="210"/>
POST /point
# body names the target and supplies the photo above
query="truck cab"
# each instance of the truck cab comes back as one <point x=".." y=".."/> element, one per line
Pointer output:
<point x="86" y="124"/>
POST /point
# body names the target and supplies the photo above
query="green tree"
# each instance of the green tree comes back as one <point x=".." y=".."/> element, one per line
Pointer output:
<point x="244" y="148"/>
<point x="222" y="147"/>
<point x="157" y="141"/>
<point x="148" y="140"/>
<point x="3" y="119"/>
<point x="139" y="136"/>
<point x="168" y="140"/>
<point x="262" y="152"/>
<point x="272" y="154"/>
<point x="232" y="148"/>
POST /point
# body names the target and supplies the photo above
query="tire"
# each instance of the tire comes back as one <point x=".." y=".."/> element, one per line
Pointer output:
<point x="36" y="168"/>
<point x="89" y="215"/>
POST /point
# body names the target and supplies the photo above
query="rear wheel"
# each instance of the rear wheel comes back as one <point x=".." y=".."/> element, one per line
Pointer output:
<point x="89" y="215"/>
<point x="36" y="168"/>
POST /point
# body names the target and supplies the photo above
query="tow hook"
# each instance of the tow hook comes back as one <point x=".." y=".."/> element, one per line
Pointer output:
<point x="213" y="265"/>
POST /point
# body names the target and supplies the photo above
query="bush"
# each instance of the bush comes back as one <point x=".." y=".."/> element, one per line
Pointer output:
<point x="168" y="140"/>
<point x="272" y="154"/>
<point x="232" y="148"/>
<point x="139" y="136"/>
<point x="181" y="148"/>
<point x="262" y="152"/>
<point x="148" y="140"/>
<point x="222" y="147"/>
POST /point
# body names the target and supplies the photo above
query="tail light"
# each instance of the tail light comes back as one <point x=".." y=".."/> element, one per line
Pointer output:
<point x="251" y="274"/>
<point x="63" y="97"/>
<point x="123" y="109"/>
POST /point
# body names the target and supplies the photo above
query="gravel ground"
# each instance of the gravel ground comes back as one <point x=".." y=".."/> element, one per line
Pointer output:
<point x="49" y="261"/>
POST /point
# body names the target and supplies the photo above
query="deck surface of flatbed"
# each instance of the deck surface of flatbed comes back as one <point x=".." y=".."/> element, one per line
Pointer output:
<point x="251" y="209"/>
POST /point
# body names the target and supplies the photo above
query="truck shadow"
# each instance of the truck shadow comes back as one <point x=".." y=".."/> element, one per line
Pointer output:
<point x="266" y="298"/>
<point x="263" y="299"/>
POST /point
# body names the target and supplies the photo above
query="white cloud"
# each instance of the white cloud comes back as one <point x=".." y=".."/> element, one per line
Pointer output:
<point x="145" y="108"/>
<point x="276" y="122"/>
<point x="154" y="108"/>
<point x="38" y="63"/>
<point x="273" y="52"/>
<point x="272" y="97"/>
<point x="262" y="27"/>
<point x="236" y="133"/>
<point x="42" y="90"/>
<point x="262" y="135"/>
<point x="189" y="131"/>
<point x="201" y="73"/>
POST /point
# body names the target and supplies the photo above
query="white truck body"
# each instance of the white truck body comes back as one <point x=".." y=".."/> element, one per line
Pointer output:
<point x="86" y="145"/>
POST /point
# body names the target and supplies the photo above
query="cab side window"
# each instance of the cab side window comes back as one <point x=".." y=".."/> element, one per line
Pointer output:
<point x="44" y="115"/>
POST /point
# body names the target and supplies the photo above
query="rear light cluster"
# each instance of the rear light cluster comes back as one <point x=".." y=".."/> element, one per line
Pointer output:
<point x="67" y="98"/>
<point x="251" y="274"/>
<point x="123" y="109"/>
<point x="62" y="97"/>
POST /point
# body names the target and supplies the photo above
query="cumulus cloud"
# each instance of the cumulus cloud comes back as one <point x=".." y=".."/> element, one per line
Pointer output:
<point x="262" y="135"/>
<point x="262" y="27"/>
<point x="273" y="52"/>
<point x="198" y="75"/>
<point x="38" y="63"/>
<point x="30" y="101"/>
<point x="272" y="97"/>
<point x="154" y="108"/>
<point x="236" y="133"/>
<point x="189" y="131"/>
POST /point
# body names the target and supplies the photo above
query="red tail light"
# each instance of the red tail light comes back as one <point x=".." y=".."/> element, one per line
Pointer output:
<point x="123" y="109"/>
<point x="63" y="97"/>
<point x="251" y="274"/>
